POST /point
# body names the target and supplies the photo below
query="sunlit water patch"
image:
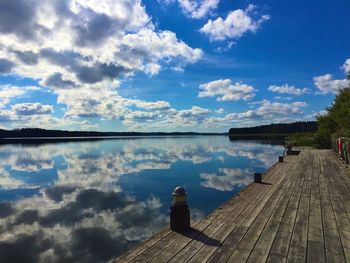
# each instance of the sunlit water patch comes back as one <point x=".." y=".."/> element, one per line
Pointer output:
<point x="92" y="201"/>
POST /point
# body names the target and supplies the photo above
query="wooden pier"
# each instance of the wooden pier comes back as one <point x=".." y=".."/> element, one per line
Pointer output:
<point x="299" y="213"/>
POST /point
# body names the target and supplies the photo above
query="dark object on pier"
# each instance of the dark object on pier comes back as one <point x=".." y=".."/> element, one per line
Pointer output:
<point x="288" y="148"/>
<point x="280" y="159"/>
<point x="258" y="178"/>
<point x="179" y="212"/>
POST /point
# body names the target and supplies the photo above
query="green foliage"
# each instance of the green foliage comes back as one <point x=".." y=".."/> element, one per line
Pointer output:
<point x="336" y="121"/>
<point x="326" y="127"/>
<point x="302" y="139"/>
<point x="277" y="128"/>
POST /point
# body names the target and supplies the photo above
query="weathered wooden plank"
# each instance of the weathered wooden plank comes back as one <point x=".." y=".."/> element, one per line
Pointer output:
<point x="192" y="247"/>
<point x="151" y="252"/>
<point x="259" y="189"/>
<point x="274" y="239"/>
<point x="256" y="208"/>
<point x="239" y="231"/>
<point x="302" y="215"/>
<point x="181" y="249"/>
<point x="206" y="251"/>
<point x="333" y="247"/>
<point x="315" y="247"/>
<point x="134" y="252"/>
<point x="231" y="220"/>
<point x="223" y="253"/>
<point x="286" y="172"/>
<point x="203" y="236"/>
<point x="343" y="183"/>
<point x="242" y="196"/>
<point x="298" y="243"/>
<point x="280" y="246"/>
<point x="331" y="169"/>
<point x="227" y="213"/>
<point x="228" y="217"/>
<point x="243" y="250"/>
<point x="252" y="188"/>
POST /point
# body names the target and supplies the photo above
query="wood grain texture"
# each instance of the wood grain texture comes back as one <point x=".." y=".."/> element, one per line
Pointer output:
<point x="301" y="213"/>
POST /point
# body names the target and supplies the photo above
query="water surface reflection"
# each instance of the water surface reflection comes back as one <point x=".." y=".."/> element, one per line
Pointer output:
<point x="91" y="201"/>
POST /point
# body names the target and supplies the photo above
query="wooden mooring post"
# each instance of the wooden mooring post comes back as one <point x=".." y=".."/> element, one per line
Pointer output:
<point x="179" y="211"/>
<point x="258" y="178"/>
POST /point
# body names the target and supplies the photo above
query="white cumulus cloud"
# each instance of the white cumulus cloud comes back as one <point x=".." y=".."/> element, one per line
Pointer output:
<point x="287" y="89"/>
<point x="7" y="92"/>
<point x="198" y="8"/>
<point x="85" y="43"/>
<point x="227" y="179"/>
<point x="235" y="25"/>
<point x="80" y="49"/>
<point x="264" y="112"/>
<point x="220" y="111"/>
<point x="327" y="84"/>
<point x="226" y="90"/>
<point x="195" y="9"/>
<point x="346" y="66"/>
<point x="32" y="108"/>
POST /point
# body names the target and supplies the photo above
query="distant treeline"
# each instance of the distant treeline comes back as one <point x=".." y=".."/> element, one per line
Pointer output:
<point x="280" y="128"/>
<point x="260" y="138"/>
<point x="37" y="133"/>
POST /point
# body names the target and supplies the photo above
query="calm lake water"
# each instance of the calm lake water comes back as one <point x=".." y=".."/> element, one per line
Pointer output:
<point x="91" y="201"/>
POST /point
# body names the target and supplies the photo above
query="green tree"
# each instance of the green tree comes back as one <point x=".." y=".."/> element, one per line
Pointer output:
<point x="336" y="121"/>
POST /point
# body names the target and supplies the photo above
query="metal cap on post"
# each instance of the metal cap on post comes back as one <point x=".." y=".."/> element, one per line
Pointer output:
<point x="258" y="178"/>
<point x="179" y="212"/>
<point x="179" y="196"/>
<point x="280" y="159"/>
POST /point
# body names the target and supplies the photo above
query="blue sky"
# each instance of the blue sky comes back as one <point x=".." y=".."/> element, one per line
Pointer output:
<point x="169" y="65"/>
